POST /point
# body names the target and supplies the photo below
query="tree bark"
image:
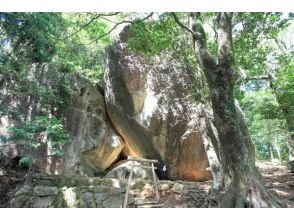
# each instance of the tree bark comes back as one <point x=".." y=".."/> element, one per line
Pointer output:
<point x="245" y="188"/>
<point x="290" y="140"/>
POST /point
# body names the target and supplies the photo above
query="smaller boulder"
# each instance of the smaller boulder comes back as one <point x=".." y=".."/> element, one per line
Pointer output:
<point x="22" y="201"/>
<point x="87" y="200"/>
<point x="114" y="202"/>
<point x="163" y="187"/>
<point x="43" y="202"/>
<point x="25" y="190"/>
<point x="178" y="188"/>
<point x="45" y="190"/>
<point x="123" y="169"/>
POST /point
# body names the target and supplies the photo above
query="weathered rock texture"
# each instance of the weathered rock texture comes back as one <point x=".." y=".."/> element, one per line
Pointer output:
<point x="152" y="108"/>
<point x="93" y="144"/>
<point x="72" y="191"/>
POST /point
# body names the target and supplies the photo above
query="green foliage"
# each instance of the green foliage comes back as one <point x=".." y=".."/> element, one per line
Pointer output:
<point x="153" y="37"/>
<point x="42" y="131"/>
<point x="265" y="123"/>
<point x="25" y="162"/>
<point x="79" y="50"/>
<point x="284" y="84"/>
<point x="252" y="33"/>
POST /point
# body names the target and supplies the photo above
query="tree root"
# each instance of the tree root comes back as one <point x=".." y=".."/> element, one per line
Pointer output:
<point x="252" y="194"/>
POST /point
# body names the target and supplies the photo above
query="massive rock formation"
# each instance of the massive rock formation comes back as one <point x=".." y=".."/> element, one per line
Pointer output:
<point x="93" y="144"/>
<point x="150" y="112"/>
<point x="152" y="108"/>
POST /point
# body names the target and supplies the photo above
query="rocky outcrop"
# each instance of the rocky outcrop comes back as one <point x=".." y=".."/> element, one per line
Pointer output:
<point x="94" y="145"/>
<point x="151" y="113"/>
<point x="152" y="108"/>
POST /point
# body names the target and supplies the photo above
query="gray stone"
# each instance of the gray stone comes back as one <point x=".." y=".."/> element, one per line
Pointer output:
<point x="163" y="186"/>
<point x="100" y="197"/>
<point x="25" y="190"/>
<point x="116" y="191"/>
<point x="43" y="202"/>
<point x="178" y="188"/>
<point x="114" y="202"/>
<point x="45" y="190"/>
<point x="87" y="200"/>
<point x="22" y="201"/>
<point x="101" y="189"/>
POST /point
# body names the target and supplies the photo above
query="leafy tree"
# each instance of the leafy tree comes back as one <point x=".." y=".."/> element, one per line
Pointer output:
<point x="43" y="131"/>
<point x="38" y="54"/>
<point x="266" y="125"/>
<point x="219" y="57"/>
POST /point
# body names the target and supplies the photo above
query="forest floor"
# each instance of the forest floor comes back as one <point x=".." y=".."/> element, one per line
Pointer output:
<point x="11" y="175"/>
<point x="277" y="179"/>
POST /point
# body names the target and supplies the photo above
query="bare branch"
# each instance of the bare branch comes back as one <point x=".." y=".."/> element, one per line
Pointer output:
<point x="93" y="19"/>
<point x="109" y="32"/>
<point x="116" y="25"/>
<point x="263" y="77"/>
<point x="177" y="20"/>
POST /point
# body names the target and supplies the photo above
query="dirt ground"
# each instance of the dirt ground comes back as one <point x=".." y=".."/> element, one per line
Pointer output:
<point x="276" y="176"/>
<point x="11" y="175"/>
<point x="277" y="179"/>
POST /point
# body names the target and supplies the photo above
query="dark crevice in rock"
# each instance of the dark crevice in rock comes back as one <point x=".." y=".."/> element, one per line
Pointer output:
<point x="82" y="92"/>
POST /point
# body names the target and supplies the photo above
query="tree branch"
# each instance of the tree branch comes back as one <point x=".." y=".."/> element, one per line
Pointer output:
<point x="93" y="19"/>
<point x="116" y="25"/>
<point x="177" y="20"/>
<point x="225" y="47"/>
<point x="264" y="77"/>
<point x="281" y="46"/>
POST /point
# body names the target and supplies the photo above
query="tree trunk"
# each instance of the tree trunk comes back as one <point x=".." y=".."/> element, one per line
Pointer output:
<point x="270" y="148"/>
<point x="245" y="187"/>
<point x="290" y="140"/>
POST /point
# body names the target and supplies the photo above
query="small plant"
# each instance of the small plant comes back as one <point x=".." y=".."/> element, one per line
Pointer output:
<point x="25" y="162"/>
<point x="41" y="132"/>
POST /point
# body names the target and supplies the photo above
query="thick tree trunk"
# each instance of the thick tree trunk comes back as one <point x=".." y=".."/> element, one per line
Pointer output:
<point x="245" y="187"/>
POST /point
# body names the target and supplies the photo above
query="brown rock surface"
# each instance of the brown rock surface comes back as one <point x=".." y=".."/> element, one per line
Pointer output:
<point x="152" y="108"/>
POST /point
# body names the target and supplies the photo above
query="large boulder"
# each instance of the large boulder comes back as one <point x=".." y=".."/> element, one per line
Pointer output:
<point x="152" y="108"/>
<point x="93" y="144"/>
<point x="123" y="168"/>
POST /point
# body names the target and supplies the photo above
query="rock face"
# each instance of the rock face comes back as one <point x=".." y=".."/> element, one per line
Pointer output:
<point x="94" y="144"/>
<point x="152" y="108"/>
<point x="152" y="113"/>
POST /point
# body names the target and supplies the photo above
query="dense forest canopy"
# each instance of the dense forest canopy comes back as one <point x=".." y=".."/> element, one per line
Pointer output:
<point x="252" y="51"/>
